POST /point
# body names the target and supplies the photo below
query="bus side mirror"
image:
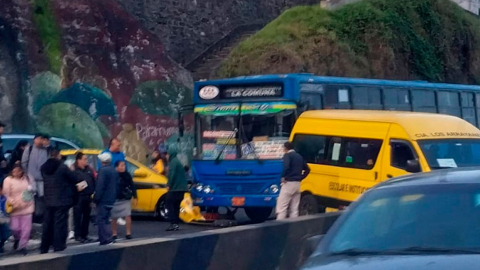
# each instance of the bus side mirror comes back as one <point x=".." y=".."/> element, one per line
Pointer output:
<point x="413" y="166"/>
<point x="181" y="126"/>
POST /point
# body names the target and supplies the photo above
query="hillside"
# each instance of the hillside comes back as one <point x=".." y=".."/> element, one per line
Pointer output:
<point x="433" y="40"/>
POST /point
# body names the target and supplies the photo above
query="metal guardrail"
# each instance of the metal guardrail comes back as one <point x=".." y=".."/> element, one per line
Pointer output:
<point x="221" y="43"/>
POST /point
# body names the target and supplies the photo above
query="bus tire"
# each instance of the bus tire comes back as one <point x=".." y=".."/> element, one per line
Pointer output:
<point x="309" y="205"/>
<point x="161" y="209"/>
<point x="258" y="214"/>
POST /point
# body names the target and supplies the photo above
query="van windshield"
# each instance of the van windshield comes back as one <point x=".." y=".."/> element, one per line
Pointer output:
<point x="451" y="153"/>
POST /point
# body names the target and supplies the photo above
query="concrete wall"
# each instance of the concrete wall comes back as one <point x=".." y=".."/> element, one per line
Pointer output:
<point x="273" y="245"/>
<point x="188" y="27"/>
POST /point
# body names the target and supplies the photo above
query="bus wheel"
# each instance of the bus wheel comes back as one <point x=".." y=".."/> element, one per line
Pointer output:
<point x="258" y="214"/>
<point x="309" y="205"/>
<point x="161" y="209"/>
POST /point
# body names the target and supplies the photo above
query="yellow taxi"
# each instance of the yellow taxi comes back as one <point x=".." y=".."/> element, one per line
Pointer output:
<point x="151" y="186"/>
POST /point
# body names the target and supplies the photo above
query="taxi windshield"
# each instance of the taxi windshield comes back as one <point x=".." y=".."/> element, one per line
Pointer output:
<point x="451" y="153"/>
<point x="438" y="217"/>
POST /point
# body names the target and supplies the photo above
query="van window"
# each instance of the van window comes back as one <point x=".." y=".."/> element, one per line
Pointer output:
<point x="311" y="147"/>
<point x="401" y="152"/>
<point x="343" y="152"/>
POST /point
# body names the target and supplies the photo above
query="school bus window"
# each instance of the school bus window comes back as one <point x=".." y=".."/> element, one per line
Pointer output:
<point x="361" y="153"/>
<point x="401" y="152"/>
<point x="311" y="147"/>
<point x="334" y="151"/>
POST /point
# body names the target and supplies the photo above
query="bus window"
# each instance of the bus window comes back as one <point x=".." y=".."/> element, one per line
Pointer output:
<point x="449" y="103"/>
<point x="396" y="99"/>
<point x="424" y="101"/>
<point x="337" y="97"/>
<point x="468" y="108"/>
<point x="369" y="98"/>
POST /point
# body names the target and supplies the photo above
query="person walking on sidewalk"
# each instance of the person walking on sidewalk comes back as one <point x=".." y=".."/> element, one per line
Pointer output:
<point x="82" y="209"/>
<point x="123" y="205"/>
<point x="19" y="190"/>
<point x="32" y="160"/>
<point x="60" y="195"/>
<point x="177" y="186"/>
<point x="295" y="169"/>
<point x="105" y="196"/>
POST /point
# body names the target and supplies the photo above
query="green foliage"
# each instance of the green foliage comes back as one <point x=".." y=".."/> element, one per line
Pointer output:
<point x="432" y="40"/>
<point x="50" y="35"/>
<point x="161" y="97"/>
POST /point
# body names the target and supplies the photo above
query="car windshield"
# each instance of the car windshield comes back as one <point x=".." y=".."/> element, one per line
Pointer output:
<point x="451" y="153"/>
<point x="253" y="135"/>
<point x="438" y="217"/>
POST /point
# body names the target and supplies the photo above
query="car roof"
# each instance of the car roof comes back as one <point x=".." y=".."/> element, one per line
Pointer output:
<point x="443" y="176"/>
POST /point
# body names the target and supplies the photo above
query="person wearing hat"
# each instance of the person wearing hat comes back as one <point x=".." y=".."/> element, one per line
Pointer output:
<point x="105" y="197"/>
<point x="32" y="160"/>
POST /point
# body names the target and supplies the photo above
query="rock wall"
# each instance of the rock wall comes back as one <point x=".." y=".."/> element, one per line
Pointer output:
<point x="188" y="27"/>
<point x="87" y="71"/>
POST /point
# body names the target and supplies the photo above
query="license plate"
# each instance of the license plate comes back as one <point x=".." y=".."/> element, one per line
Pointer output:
<point x="238" y="201"/>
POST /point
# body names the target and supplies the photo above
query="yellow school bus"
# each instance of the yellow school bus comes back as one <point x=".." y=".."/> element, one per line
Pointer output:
<point x="349" y="151"/>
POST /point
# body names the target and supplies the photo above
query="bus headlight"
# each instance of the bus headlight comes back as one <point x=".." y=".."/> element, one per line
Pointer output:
<point x="199" y="187"/>
<point x="207" y="189"/>
<point x="274" y="189"/>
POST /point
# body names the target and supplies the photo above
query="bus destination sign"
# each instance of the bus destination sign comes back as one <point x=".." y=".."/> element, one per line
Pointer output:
<point x="252" y="91"/>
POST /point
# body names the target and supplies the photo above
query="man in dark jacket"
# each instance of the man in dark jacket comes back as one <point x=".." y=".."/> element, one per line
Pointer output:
<point x="59" y="191"/>
<point x="177" y="186"/>
<point x="82" y="210"/>
<point x="105" y="196"/>
<point x="295" y="169"/>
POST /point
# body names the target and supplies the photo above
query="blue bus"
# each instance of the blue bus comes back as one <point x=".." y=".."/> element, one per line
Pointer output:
<point x="241" y="124"/>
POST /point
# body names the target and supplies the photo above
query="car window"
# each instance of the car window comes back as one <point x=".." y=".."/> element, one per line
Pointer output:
<point x="61" y="145"/>
<point x="401" y="152"/>
<point x="131" y="168"/>
<point x="10" y="143"/>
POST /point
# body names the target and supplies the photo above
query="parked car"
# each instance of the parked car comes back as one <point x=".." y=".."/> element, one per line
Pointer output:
<point x="151" y="186"/>
<point x="420" y="221"/>
<point x="11" y="140"/>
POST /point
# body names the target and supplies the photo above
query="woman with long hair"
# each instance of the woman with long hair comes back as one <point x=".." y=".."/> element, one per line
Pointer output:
<point x="19" y="190"/>
<point x="159" y="161"/>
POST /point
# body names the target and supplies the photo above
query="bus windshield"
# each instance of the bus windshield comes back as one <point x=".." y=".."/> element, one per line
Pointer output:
<point x="251" y="134"/>
<point x="451" y="153"/>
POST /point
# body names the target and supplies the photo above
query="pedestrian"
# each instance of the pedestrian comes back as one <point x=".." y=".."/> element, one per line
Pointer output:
<point x="60" y="195"/>
<point x="115" y="150"/>
<point x="47" y="144"/>
<point x="32" y="160"/>
<point x="19" y="188"/>
<point x="17" y="153"/>
<point x="3" y="160"/>
<point x="82" y="209"/>
<point x="159" y="162"/>
<point x="4" y="220"/>
<point x="105" y="196"/>
<point x="177" y="186"/>
<point x="295" y="169"/>
<point x="126" y="196"/>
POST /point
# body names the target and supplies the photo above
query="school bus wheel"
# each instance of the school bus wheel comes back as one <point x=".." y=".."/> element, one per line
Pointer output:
<point x="309" y="205"/>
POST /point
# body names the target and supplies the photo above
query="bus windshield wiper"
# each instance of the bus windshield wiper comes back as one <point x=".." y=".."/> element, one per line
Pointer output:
<point x="217" y="159"/>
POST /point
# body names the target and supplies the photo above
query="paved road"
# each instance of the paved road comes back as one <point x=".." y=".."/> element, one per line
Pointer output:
<point x="143" y="227"/>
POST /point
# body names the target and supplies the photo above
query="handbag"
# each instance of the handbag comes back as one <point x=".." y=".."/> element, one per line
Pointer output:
<point x="29" y="194"/>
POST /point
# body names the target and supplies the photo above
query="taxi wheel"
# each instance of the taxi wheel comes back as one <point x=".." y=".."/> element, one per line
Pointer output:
<point x="309" y="205"/>
<point x="161" y="210"/>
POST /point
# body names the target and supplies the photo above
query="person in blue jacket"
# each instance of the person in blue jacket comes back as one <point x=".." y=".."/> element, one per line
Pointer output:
<point x="115" y="150"/>
<point x="106" y="189"/>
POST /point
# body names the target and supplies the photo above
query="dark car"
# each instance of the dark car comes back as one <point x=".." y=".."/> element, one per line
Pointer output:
<point x="421" y="221"/>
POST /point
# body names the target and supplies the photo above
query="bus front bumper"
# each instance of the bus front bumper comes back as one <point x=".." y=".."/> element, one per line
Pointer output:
<point x="235" y="200"/>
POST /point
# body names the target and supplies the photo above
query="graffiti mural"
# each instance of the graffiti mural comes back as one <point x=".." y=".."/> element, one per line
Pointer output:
<point x="87" y="71"/>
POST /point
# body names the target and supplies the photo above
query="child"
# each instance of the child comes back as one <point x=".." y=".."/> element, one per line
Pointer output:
<point x="4" y="220"/>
